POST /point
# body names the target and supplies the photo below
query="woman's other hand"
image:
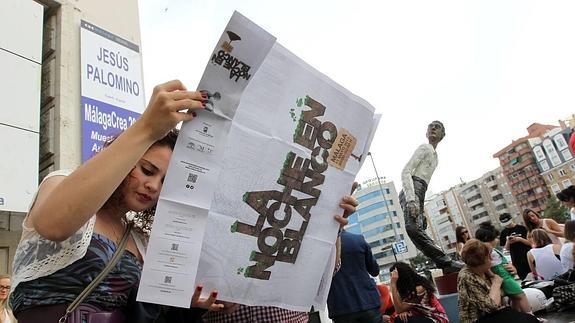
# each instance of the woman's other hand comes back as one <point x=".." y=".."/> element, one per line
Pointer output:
<point x="206" y="303"/>
<point x="348" y="204"/>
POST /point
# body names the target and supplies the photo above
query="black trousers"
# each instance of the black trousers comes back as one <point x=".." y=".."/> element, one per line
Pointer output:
<point x="415" y="225"/>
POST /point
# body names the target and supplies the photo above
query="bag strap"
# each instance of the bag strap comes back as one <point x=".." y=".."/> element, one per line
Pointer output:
<point x="88" y="290"/>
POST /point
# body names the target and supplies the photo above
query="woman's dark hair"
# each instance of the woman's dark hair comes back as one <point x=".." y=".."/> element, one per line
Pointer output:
<point x="486" y="232"/>
<point x="143" y="220"/>
<point x="408" y="281"/>
<point x="570" y="230"/>
<point x="459" y="234"/>
<point x="567" y="194"/>
<point x="475" y="253"/>
<point x="540" y="238"/>
<point x="530" y="225"/>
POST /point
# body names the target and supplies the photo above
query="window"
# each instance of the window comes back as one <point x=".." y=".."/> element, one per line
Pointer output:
<point x="515" y="161"/>
<point x="544" y="166"/>
<point x="473" y="198"/>
<point x="369" y="196"/>
<point x="562" y="172"/>
<point x="560" y="141"/>
<point x="539" y="153"/>
<point x="354" y="229"/>
<point x="566" y="154"/>
<point x="4" y="263"/>
<point x="376" y="218"/>
<point x="555" y="188"/>
<point x="501" y="207"/>
<point x="374" y="206"/>
<point x="572" y="167"/>
<point x="550" y="177"/>
<point x="551" y="152"/>
<point x="566" y="183"/>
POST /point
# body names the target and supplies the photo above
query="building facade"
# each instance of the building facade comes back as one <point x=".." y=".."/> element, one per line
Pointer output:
<point x="379" y="219"/>
<point x="555" y="159"/>
<point x="42" y="71"/>
<point x="444" y="213"/>
<point x="521" y="171"/>
<point x="485" y="198"/>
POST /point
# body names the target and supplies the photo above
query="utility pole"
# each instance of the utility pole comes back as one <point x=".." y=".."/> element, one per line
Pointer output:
<point x="386" y="206"/>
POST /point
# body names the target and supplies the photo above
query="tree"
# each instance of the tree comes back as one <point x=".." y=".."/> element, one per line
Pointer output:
<point x="556" y="211"/>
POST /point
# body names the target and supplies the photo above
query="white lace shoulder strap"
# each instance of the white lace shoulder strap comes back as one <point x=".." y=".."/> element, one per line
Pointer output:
<point x="37" y="256"/>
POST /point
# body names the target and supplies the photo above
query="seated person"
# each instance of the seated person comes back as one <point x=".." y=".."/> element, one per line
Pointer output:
<point x="414" y="297"/>
<point x="480" y="290"/>
<point x="567" y="252"/>
<point x="543" y="258"/>
<point x="488" y="235"/>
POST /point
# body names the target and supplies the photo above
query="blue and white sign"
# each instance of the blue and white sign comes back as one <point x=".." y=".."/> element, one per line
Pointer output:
<point x="400" y="247"/>
<point x="112" y="87"/>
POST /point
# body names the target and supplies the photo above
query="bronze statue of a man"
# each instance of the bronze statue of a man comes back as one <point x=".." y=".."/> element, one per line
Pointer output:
<point x="415" y="178"/>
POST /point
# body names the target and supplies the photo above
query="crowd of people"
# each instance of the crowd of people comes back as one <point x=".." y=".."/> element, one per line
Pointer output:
<point x="538" y="253"/>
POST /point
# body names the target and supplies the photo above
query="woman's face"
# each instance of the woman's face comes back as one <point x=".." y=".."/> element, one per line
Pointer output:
<point x="486" y="266"/>
<point x="4" y="288"/>
<point x="143" y="186"/>
<point x="465" y="234"/>
<point x="532" y="216"/>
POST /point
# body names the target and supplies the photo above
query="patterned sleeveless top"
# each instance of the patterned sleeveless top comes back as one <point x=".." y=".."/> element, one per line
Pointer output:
<point x="63" y="286"/>
<point x="427" y="305"/>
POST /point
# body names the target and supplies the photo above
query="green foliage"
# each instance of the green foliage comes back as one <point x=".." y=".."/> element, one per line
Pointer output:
<point x="420" y="259"/>
<point x="556" y="210"/>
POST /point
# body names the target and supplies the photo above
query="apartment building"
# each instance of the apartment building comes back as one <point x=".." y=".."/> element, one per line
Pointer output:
<point x="555" y="159"/>
<point x="521" y="171"/>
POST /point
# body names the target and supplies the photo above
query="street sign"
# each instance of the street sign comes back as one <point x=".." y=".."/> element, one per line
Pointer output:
<point x="400" y="247"/>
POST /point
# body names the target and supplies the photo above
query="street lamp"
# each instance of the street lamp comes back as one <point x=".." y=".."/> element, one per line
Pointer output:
<point x="385" y="204"/>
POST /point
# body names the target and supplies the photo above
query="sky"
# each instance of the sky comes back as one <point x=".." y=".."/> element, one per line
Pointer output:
<point x="487" y="69"/>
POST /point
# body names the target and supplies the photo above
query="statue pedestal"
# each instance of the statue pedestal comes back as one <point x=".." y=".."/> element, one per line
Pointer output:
<point x="446" y="284"/>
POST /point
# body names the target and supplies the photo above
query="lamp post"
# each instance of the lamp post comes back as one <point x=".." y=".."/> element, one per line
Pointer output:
<point x="396" y="236"/>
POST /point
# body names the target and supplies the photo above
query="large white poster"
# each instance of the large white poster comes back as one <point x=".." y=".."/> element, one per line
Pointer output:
<point x="112" y="88"/>
<point x="253" y="185"/>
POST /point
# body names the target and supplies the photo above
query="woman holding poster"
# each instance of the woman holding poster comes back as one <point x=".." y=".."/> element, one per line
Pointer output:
<point x="79" y="219"/>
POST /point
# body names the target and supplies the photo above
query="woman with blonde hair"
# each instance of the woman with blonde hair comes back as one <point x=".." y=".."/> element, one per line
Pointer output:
<point x="543" y="258"/>
<point x="5" y="312"/>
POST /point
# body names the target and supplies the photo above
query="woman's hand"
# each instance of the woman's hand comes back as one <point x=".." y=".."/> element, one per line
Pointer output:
<point x="348" y="204"/>
<point x="496" y="280"/>
<point x="206" y="303"/>
<point x="510" y="268"/>
<point x="170" y="104"/>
